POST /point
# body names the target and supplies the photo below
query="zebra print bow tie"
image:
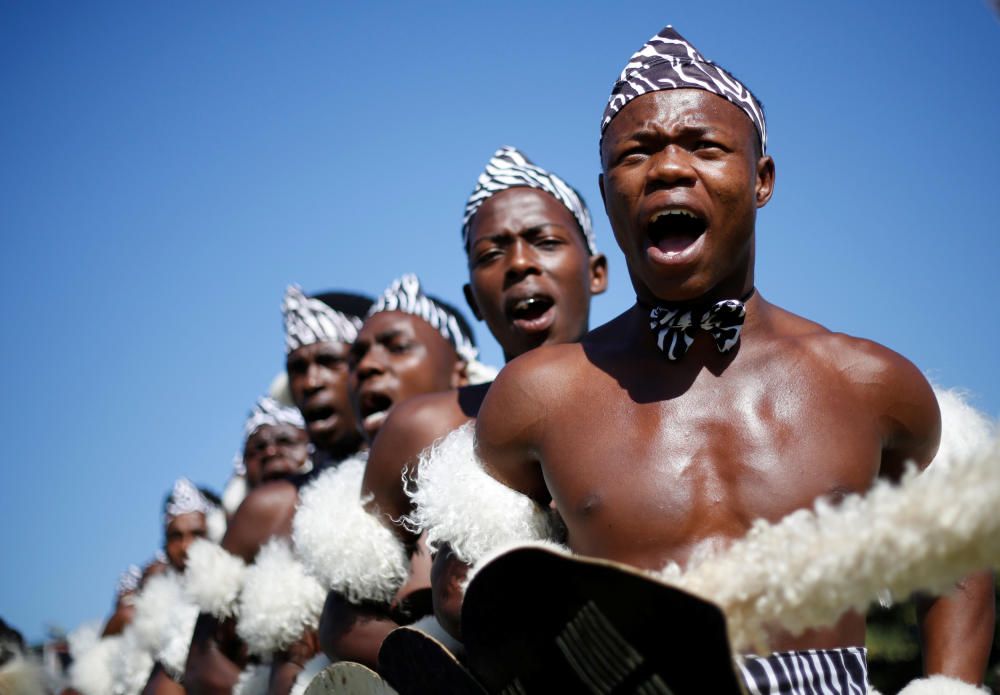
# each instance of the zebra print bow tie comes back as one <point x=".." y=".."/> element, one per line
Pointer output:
<point x="675" y="328"/>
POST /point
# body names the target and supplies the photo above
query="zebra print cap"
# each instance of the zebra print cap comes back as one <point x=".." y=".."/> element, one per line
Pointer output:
<point x="129" y="581"/>
<point x="185" y="498"/>
<point x="668" y="61"/>
<point x="267" y="411"/>
<point x="405" y="295"/>
<point x="509" y="168"/>
<point x="309" y="320"/>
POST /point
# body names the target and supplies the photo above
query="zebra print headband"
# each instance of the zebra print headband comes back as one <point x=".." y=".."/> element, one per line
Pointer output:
<point x="185" y="498"/>
<point x="509" y="168"/>
<point x="267" y="411"/>
<point x="668" y="61"/>
<point x="309" y="320"/>
<point x="405" y="295"/>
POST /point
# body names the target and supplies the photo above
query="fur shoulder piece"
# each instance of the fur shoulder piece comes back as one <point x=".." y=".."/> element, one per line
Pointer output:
<point x="21" y="676"/>
<point x="941" y="685"/>
<point x="349" y="550"/>
<point x="964" y="430"/>
<point x="213" y="578"/>
<point x="159" y="597"/>
<point x="253" y="680"/>
<point x="280" y="600"/>
<point x="131" y="665"/>
<point x="311" y="670"/>
<point x="91" y="672"/>
<point x="922" y="535"/>
<point x="173" y="651"/>
<point x="457" y="502"/>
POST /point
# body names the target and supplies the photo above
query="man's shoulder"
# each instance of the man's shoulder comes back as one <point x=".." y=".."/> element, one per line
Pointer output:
<point x="267" y="509"/>
<point x="419" y="421"/>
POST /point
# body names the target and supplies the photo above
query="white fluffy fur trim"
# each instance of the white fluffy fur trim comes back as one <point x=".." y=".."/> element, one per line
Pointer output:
<point x="279" y="601"/>
<point x="213" y="578"/>
<point x="253" y="680"/>
<point x="234" y="494"/>
<point x="941" y="685"/>
<point x="131" y="665"/>
<point x="964" y="430"/>
<point x="457" y="502"/>
<point x="311" y="670"/>
<point x="153" y="606"/>
<point x="90" y="672"/>
<point x="83" y="638"/>
<point x="173" y="651"/>
<point x="215" y="523"/>
<point x="479" y="372"/>
<point x="21" y="676"/>
<point x="809" y="568"/>
<point x="346" y="548"/>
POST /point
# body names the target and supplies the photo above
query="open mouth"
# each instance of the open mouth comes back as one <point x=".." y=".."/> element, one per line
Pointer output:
<point x="531" y="313"/>
<point x="318" y="414"/>
<point x="374" y="407"/>
<point x="674" y="231"/>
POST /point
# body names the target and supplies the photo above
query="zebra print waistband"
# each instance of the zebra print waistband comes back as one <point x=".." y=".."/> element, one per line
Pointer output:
<point x="811" y="672"/>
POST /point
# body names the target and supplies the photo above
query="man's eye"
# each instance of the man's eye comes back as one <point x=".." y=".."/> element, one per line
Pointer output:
<point x="549" y="242"/>
<point x="399" y="346"/>
<point x="487" y="256"/>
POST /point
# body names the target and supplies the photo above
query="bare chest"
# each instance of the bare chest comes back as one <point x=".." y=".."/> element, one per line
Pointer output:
<point x="644" y="480"/>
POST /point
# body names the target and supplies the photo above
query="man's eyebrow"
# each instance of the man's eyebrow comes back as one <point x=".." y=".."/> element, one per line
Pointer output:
<point x="387" y="335"/>
<point x="504" y="236"/>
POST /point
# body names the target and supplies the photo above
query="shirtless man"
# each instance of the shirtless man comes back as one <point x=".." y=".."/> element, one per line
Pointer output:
<point x="411" y="344"/>
<point x="318" y="334"/>
<point x="653" y="443"/>
<point x="533" y="268"/>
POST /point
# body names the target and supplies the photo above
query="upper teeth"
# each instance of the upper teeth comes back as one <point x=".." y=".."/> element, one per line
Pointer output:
<point x="664" y="213"/>
<point x="525" y="303"/>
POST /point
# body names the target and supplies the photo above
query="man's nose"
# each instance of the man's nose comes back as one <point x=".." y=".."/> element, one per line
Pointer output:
<point x="371" y="364"/>
<point x="671" y="165"/>
<point x="521" y="260"/>
<point x="314" y="377"/>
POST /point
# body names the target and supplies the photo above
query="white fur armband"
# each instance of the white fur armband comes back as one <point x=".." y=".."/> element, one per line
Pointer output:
<point x="131" y="664"/>
<point x="91" y="670"/>
<point x="349" y="550"/>
<point x="213" y="578"/>
<point x="279" y="601"/>
<point x="459" y="503"/>
<point x="964" y="430"/>
<point x="941" y="685"/>
<point x="809" y="568"/>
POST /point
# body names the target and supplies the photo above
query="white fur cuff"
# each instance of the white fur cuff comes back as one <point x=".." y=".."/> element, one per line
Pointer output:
<point x="459" y="503"/>
<point x="253" y="680"/>
<point x="922" y="535"/>
<point x="311" y="670"/>
<point x="349" y="550"/>
<point x="941" y="685"/>
<point x="213" y="578"/>
<point x="279" y="601"/>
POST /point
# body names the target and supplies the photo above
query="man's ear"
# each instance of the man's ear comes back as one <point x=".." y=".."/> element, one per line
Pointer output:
<point x="460" y="375"/>
<point x="765" y="180"/>
<point x="598" y="273"/>
<point x="471" y="301"/>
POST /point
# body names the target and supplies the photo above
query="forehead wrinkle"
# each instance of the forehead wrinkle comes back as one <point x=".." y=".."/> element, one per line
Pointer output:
<point x="507" y="234"/>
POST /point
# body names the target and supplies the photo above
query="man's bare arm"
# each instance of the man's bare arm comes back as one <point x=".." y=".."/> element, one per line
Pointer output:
<point x="267" y="511"/>
<point x="511" y="421"/>
<point x="956" y="630"/>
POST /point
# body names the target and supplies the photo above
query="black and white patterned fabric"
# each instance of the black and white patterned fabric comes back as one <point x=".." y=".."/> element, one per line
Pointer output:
<point x="185" y="498"/>
<point x="675" y="328"/>
<point x="669" y="61"/>
<point x="812" y="672"/>
<point x="309" y="320"/>
<point x="268" y="411"/>
<point x="129" y="580"/>
<point x="405" y="295"/>
<point x="509" y="168"/>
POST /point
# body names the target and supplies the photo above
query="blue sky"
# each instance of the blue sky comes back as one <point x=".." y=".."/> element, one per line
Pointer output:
<point x="167" y="169"/>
